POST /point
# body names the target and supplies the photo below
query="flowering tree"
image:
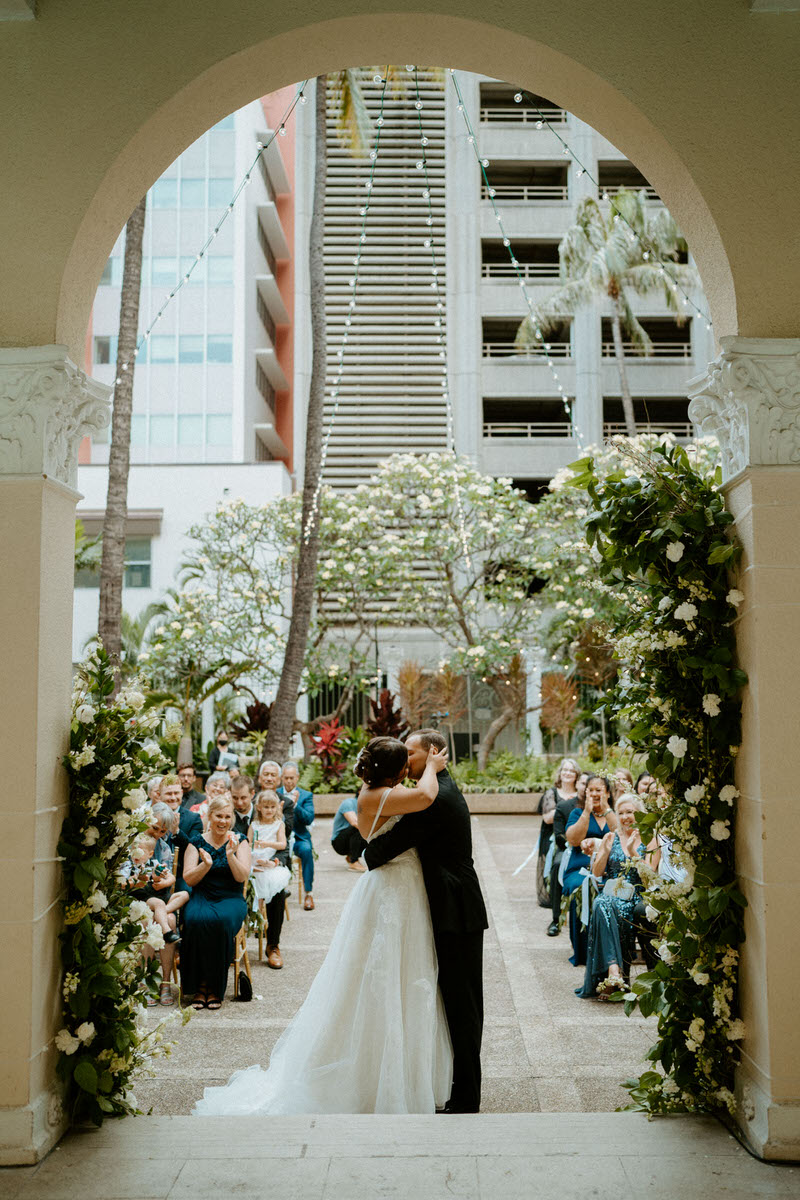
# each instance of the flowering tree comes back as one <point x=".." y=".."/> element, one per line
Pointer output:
<point x="104" y="1038"/>
<point x="237" y="597"/>
<point x="467" y="545"/>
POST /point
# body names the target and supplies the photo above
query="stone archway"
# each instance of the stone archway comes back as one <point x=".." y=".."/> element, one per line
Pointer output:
<point x="104" y="100"/>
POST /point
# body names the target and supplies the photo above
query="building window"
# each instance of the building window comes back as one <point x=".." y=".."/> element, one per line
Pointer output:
<point x="219" y="192"/>
<point x="219" y="429"/>
<point x="137" y="562"/>
<point x="137" y="566"/>
<point x="225" y="123"/>
<point x="138" y="430"/>
<point x="105" y="351"/>
<point x="164" y="193"/>
<point x="190" y="430"/>
<point x="220" y="269"/>
<point x="193" y="193"/>
<point x="162" y="348"/>
<point x="220" y="348"/>
<point x="162" y="430"/>
<point x="190" y="348"/>
<point x="163" y="272"/>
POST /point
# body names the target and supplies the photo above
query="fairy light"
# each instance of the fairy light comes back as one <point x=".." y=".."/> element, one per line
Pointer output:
<point x="537" y="329"/>
<point x="652" y="253"/>
<point x="430" y="244"/>
<point x="262" y="147"/>
<point x="353" y="287"/>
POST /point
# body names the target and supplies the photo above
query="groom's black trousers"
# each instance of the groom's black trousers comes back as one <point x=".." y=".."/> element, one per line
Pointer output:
<point x="461" y="984"/>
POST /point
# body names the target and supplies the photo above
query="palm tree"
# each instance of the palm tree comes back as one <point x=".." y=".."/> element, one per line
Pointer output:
<point x="112" y="565"/>
<point x="618" y="257"/>
<point x="352" y="124"/>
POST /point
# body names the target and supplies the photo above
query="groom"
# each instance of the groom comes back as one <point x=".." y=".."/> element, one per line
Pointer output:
<point x="443" y="838"/>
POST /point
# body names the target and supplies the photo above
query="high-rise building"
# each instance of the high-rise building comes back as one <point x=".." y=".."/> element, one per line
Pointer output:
<point x="213" y="399"/>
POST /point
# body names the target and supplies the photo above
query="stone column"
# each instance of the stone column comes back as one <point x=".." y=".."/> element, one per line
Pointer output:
<point x="46" y="406"/>
<point x="750" y="399"/>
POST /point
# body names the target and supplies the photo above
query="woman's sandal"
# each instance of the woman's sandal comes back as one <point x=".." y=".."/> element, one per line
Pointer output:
<point x="166" y="997"/>
<point x="200" y="1001"/>
<point x="213" y="1003"/>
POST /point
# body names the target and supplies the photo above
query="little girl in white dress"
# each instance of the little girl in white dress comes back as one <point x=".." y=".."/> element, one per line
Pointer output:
<point x="267" y="835"/>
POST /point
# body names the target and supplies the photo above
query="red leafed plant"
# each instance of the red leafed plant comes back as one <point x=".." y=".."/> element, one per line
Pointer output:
<point x="327" y="749"/>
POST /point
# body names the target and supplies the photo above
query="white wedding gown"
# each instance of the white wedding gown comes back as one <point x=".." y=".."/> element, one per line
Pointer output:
<point x="371" y="1035"/>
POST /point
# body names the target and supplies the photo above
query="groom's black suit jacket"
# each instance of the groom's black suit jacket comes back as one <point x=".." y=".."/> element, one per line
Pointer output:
<point x="442" y="835"/>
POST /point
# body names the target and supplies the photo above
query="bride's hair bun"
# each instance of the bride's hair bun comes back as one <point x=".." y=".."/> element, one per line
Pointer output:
<point x="382" y="759"/>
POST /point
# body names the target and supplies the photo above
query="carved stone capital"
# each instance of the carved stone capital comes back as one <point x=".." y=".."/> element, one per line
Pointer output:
<point x="46" y="406"/>
<point x="750" y="400"/>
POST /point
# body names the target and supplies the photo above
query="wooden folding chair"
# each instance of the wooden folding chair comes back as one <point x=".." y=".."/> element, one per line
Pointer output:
<point x="174" y="975"/>
<point x="240" y="955"/>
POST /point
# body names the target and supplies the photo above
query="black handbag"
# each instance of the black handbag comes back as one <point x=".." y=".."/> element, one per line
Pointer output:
<point x="245" y="987"/>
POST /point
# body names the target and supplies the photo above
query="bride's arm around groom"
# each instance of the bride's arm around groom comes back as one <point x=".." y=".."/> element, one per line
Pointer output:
<point x="442" y="835"/>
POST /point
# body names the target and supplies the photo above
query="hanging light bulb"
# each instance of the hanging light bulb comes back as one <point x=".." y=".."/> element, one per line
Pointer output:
<point x="518" y="97"/>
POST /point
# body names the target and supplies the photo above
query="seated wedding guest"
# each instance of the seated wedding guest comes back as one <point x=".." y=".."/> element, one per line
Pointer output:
<point x="345" y="838"/>
<point x="220" y="758"/>
<point x="148" y="876"/>
<point x="559" y="844"/>
<point x="161" y="819"/>
<point x="643" y="783"/>
<point x="622" y="781"/>
<point x="586" y="827"/>
<point x="563" y="788"/>
<point x="269" y="778"/>
<point x="189" y="824"/>
<point x="267" y="837"/>
<point x="188" y="778"/>
<point x="154" y="788"/>
<point x="303" y="818"/>
<point x="611" y="939"/>
<point x="217" y="784"/>
<point x="216" y="867"/>
<point x="243" y="809"/>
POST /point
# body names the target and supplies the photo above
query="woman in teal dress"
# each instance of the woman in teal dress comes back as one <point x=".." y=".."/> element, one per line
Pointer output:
<point x="585" y="828"/>
<point x="611" y="931"/>
<point x="216" y="866"/>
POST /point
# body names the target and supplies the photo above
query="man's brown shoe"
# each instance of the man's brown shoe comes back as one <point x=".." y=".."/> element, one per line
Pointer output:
<point x="308" y="903"/>
<point x="274" y="959"/>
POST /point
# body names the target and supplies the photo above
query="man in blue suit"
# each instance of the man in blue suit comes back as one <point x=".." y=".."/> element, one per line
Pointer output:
<point x="303" y="817"/>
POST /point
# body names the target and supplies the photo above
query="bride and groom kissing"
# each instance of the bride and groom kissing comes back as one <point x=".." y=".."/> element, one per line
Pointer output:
<point x="393" y="1020"/>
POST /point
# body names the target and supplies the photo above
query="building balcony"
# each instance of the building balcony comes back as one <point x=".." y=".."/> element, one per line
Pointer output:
<point x="270" y="224"/>
<point x="508" y="273"/>
<point x="270" y="293"/>
<point x="507" y="349"/>
<point x="682" y="431"/>
<point x="539" y="456"/>
<point x="528" y="429"/>
<point x="273" y="164"/>
<point x="521" y="220"/>
<point x="267" y="360"/>
<point x="672" y="350"/>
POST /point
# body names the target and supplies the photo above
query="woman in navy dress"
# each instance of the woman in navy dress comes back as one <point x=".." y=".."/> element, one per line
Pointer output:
<point x="216" y="867"/>
<point x="612" y="932"/>
<point x="585" y="828"/>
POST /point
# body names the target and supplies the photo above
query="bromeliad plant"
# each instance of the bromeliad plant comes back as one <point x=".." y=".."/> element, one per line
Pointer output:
<point x="104" y="1039"/>
<point x="662" y="536"/>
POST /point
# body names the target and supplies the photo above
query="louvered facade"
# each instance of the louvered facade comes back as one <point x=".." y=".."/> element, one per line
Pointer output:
<point x="391" y="392"/>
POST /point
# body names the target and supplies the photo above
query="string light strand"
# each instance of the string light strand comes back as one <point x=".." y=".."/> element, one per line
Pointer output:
<point x="298" y="98"/>
<point x="537" y="329"/>
<point x="353" y="286"/>
<point x="649" y="250"/>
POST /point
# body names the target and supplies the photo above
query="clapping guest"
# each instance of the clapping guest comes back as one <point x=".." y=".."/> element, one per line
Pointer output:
<point x="216" y="868"/>
<point x="560" y="817"/>
<point x="563" y="788"/>
<point x="303" y="818"/>
<point x="643" y="783"/>
<point x="611" y="939"/>
<point x="189" y="825"/>
<point x="585" y="829"/>
<point x="243" y="808"/>
<point x="345" y="836"/>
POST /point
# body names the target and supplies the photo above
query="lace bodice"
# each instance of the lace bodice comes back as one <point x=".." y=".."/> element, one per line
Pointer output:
<point x="389" y="824"/>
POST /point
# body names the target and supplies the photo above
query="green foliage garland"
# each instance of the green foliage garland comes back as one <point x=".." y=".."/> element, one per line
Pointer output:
<point x="104" y="1039"/>
<point x="661" y="533"/>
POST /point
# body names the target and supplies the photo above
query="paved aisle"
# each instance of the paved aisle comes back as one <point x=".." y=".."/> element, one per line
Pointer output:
<point x="544" y="1049"/>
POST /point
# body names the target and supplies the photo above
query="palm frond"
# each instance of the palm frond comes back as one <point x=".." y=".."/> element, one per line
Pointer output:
<point x="549" y="314"/>
<point x="634" y="331"/>
<point x="353" y="123"/>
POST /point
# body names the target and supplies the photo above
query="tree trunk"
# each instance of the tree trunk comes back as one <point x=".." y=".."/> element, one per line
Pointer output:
<point x="112" y="565"/>
<point x="282" y="721"/>
<point x="505" y="717"/>
<point x="619" y="354"/>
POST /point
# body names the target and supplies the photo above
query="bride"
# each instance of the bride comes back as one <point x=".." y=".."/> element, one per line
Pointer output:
<point x="371" y="1035"/>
